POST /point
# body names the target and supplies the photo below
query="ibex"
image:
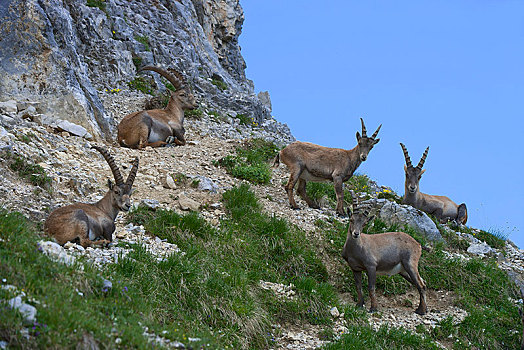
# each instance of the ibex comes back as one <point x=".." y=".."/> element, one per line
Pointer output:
<point x="442" y="207"/>
<point x="159" y="127"/>
<point x="387" y="253"/>
<point x="86" y="222"/>
<point x="310" y="162"/>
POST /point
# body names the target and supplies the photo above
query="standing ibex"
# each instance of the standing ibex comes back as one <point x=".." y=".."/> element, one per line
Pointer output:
<point x="310" y="162"/>
<point x="387" y="253"/>
<point x="86" y="222"/>
<point x="442" y="207"/>
<point x="158" y="127"/>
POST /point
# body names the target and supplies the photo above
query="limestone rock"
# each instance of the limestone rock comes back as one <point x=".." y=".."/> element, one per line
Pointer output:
<point x="187" y="203"/>
<point x="8" y="107"/>
<point x="56" y="252"/>
<point x="480" y="249"/>
<point x="393" y="213"/>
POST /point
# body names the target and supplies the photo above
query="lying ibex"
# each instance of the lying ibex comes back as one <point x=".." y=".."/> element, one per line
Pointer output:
<point x="442" y="207"/>
<point x="310" y="162"/>
<point x="159" y="127"/>
<point x="387" y="253"/>
<point x="87" y="222"/>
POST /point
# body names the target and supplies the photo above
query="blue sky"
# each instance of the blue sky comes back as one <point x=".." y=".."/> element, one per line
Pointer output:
<point x="444" y="74"/>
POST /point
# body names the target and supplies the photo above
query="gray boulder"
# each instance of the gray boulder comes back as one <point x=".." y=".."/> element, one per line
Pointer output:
<point x="399" y="214"/>
<point x="480" y="249"/>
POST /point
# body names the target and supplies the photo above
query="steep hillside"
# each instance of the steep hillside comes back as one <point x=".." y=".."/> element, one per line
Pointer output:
<point x="300" y="293"/>
<point x="210" y="255"/>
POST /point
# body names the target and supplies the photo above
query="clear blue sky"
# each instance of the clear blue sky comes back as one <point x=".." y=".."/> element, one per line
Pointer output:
<point x="444" y="74"/>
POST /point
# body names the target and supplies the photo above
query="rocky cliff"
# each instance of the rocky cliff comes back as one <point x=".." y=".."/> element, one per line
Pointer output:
<point x="60" y="55"/>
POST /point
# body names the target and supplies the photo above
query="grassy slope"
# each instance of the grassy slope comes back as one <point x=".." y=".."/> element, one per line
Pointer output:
<point x="212" y="291"/>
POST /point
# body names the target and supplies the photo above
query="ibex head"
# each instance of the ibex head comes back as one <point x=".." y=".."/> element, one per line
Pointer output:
<point x="413" y="174"/>
<point x="182" y="92"/>
<point x="365" y="143"/>
<point x="120" y="191"/>
<point x="360" y="216"/>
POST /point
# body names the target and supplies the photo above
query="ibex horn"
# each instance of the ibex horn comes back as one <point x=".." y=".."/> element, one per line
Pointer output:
<point x="423" y="159"/>
<point x="406" y="155"/>
<point x="132" y="174"/>
<point x="376" y="132"/>
<point x="111" y="161"/>
<point x="177" y="81"/>
<point x="363" y="128"/>
<point x="354" y="201"/>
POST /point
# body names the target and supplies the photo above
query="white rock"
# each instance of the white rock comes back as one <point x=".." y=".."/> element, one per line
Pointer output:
<point x="480" y="249"/>
<point x="8" y="107"/>
<point x="187" y="203"/>
<point x="56" y="252"/>
<point x="334" y="312"/>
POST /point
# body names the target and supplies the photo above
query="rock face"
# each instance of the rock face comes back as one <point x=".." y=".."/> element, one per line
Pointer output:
<point x="61" y="55"/>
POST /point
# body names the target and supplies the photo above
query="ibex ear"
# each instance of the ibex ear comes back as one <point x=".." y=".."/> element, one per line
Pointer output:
<point x="405" y="168"/>
<point x="358" y="136"/>
<point x="110" y="184"/>
<point x="422" y="172"/>
<point x="376" y="141"/>
<point x="348" y="210"/>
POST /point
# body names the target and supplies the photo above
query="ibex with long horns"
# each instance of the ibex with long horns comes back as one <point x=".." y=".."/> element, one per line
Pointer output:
<point x="159" y="127"/>
<point x="310" y="162"/>
<point x="442" y="207"/>
<point x="87" y="222"/>
<point x="387" y="253"/>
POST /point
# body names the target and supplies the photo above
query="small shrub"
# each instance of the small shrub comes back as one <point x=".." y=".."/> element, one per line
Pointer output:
<point x="251" y="161"/>
<point x="219" y="84"/>
<point x="141" y="84"/>
<point x="144" y="40"/>
<point x="32" y="172"/>
<point x="193" y="113"/>
<point x="137" y="61"/>
<point x="101" y="4"/>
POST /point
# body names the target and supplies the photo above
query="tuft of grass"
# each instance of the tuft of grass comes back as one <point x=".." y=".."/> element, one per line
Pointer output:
<point x="34" y="173"/>
<point x="251" y="161"/>
<point x="494" y="238"/>
<point x="141" y="84"/>
<point x="144" y="40"/>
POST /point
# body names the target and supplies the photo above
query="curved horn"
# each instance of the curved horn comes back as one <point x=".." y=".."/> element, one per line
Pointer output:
<point x="111" y="161"/>
<point x="132" y="174"/>
<point x="354" y="201"/>
<point x="406" y="155"/>
<point x="363" y="128"/>
<point x="423" y="159"/>
<point x="376" y="132"/>
<point x="177" y="83"/>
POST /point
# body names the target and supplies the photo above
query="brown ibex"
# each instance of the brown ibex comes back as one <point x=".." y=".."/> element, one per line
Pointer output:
<point x="159" y="127"/>
<point x="442" y="207"/>
<point x="309" y="162"/>
<point x="86" y="222"/>
<point x="387" y="253"/>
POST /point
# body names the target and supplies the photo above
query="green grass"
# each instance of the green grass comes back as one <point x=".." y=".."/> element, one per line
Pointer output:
<point x="222" y="268"/>
<point x="34" y="173"/>
<point x="251" y="161"/>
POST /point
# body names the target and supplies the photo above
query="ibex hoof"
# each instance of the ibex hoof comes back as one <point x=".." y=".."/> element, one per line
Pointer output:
<point x="295" y="207"/>
<point x="342" y="215"/>
<point x="170" y="139"/>
<point x="314" y="206"/>
<point x="420" y="311"/>
<point x="372" y="310"/>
